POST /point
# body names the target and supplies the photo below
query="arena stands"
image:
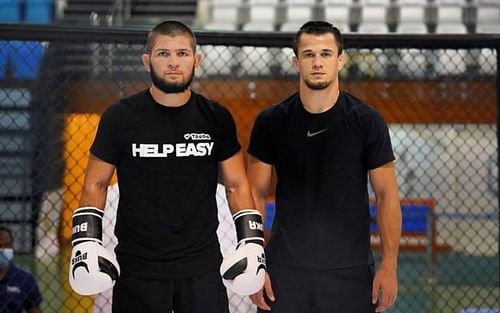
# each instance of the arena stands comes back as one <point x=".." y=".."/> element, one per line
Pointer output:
<point x="362" y="16"/>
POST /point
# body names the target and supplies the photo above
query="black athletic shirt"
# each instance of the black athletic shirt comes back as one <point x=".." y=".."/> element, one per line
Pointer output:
<point x="167" y="166"/>
<point x="322" y="161"/>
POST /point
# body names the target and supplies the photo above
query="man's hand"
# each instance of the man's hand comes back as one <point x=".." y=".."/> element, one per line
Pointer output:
<point x="385" y="288"/>
<point x="259" y="299"/>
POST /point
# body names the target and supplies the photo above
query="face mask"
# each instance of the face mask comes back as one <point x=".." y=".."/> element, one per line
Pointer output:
<point x="6" y="256"/>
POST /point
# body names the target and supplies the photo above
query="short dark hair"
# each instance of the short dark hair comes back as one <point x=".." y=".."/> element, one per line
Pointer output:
<point x="8" y="231"/>
<point x="318" y="28"/>
<point x="169" y="28"/>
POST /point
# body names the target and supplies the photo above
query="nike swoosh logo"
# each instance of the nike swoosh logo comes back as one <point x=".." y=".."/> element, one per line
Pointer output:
<point x="310" y="134"/>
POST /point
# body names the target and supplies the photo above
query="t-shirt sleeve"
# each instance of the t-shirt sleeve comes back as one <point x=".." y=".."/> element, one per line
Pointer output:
<point x="378" y="147"/>
<point x="227" y="141"/>
<point x="261" y="139"/>
<point x="106" y="143"/>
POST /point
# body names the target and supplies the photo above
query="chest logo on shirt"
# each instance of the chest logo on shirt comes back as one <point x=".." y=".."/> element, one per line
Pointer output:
<point x="312" y="134"/>
<point x="13" y="289"/>
<point x="181" y="149"/>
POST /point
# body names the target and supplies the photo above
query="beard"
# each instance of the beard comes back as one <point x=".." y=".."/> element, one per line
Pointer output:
<point x="317" y="85"/>
<point x="168" y="87"/>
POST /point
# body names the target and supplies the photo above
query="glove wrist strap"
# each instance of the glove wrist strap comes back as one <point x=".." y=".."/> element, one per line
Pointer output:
<point x="87" y="225"/>
<point x="249" y="227"/>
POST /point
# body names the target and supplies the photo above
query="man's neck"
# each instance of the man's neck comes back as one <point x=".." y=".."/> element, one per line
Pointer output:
<point x="170" y="99"/>
<point x="318" y="101"/>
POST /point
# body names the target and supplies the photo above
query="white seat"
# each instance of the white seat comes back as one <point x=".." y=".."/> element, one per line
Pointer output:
<point x="404" y="3"/>
<point x="451" y="2"/>
<point x="263" y="2"/>
<point x="298" y="14"/>
<point x="263" y="13"/>
<point x="375" y="2"/>
<point x="488" y="28"/>
<point x="226" y="2"/>
<point x="373" y="28"/>
<point x="412" y="13"/>
<point x="411" y="28"/>
<point x="373" y="14"/>
<point x="337" y="2"/>
<point x="224" y="14"/>
<point x="449" y="14"/>
<point x="301" y="2"/>
<point x="220" y="26"/>
<point x="258" y="26"/>
<point x="451" y="28"/>
<point x="487" y="2"/>
<point x="343" y="27"/>
<point x="488" y="15"/>
<point x="337" y="15"/>
<point x="292" y="26"/>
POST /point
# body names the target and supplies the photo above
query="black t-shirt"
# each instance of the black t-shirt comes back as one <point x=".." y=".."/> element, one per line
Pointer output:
<point x="167" y="167"/>
<point x="322" y="160"/>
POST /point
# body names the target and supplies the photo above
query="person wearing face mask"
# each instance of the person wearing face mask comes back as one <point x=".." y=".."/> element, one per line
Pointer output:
<point x="18" y="289"/>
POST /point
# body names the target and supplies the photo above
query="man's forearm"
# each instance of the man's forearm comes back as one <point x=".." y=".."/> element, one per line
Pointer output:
<point x="389" y="221"/>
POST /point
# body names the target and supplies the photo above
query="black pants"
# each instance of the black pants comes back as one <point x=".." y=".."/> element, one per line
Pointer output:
<point x="200" y="294"/>
<point x="305" y="291"/>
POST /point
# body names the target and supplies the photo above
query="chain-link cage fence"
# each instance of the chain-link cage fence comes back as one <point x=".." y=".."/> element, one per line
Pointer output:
<point x="438" y="96"/>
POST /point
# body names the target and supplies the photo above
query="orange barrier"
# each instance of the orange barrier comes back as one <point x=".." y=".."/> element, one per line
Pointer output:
<point x="79" y="134"/>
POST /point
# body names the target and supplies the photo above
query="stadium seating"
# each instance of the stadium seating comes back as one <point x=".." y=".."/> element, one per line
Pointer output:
<point x="262" y="17"/>
<point x="224" y="16"/>
<point x="488" y="19"/>
<point x="25" y="59"/>
<point x="411" y="20"/>
<point x="150" y="12"/>
<point x="488" y="28"/>
<point x="10" y="11"/>
<point x="373" y="20"/>
<point x="369" y="16"/>
<point x="338" y="2"/>
<point x="338" y="16"/>
<point x="4" y="58"/>
<point x="296" y="16"/>
<point x="39" y="11"/>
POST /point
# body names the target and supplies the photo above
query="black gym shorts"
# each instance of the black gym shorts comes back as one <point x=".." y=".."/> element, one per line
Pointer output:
<point x="346" y="290"/>
<point x="200" y="294"/>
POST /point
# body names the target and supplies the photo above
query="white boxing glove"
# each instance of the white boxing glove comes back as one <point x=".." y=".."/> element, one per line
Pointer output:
<point x="93" y="269"/>
<point x="243" y="271"/>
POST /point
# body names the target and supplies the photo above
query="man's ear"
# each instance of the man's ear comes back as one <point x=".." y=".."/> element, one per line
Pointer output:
<point x="295" y="62"/>
<point x="146" y="62"/>
<point x="197" y="59"/>
<point x="342" y="61"/>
